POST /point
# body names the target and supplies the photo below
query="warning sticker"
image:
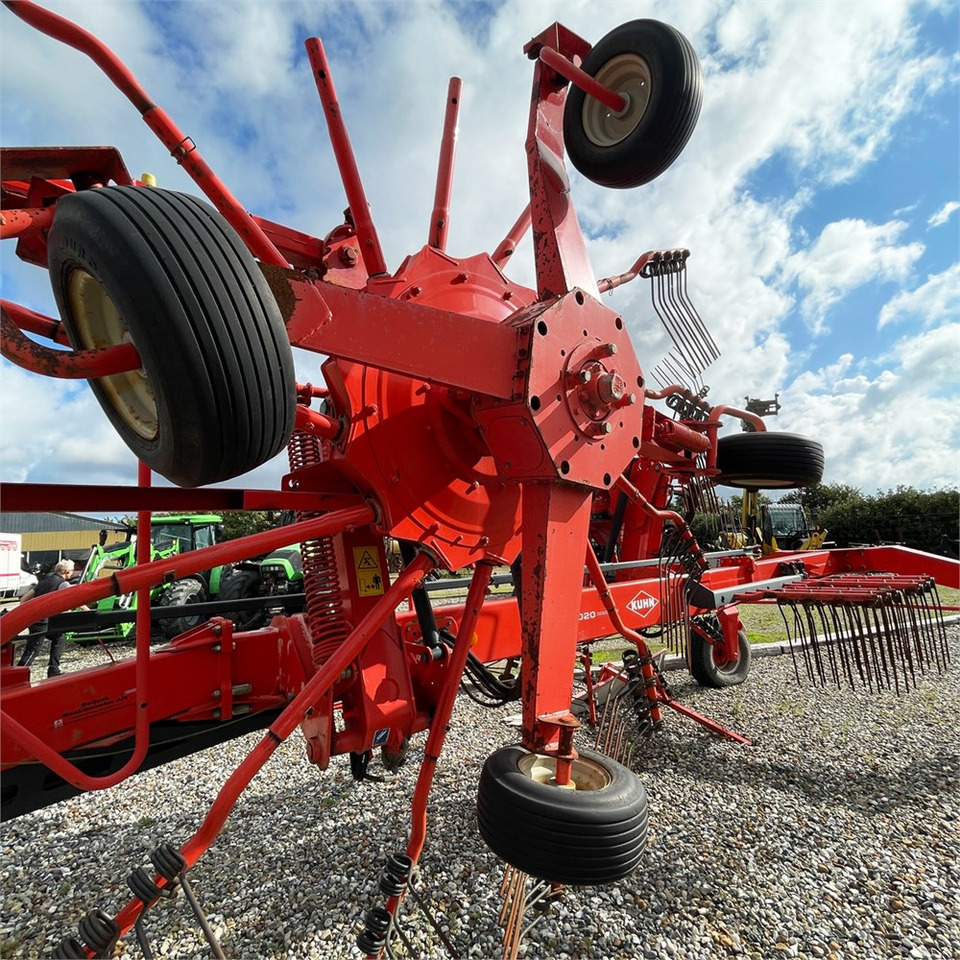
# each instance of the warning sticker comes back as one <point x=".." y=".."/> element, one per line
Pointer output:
<point x="366" y="562"/>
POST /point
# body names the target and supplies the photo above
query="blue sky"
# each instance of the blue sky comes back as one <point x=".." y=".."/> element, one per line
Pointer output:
<point x="819" y="195"/>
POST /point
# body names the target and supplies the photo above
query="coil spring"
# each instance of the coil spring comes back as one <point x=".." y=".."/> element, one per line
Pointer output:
<point x="374" y="934"/>
<point x="100" y="932"/>
<point x="396" y="874"/>
<point x="321" y="578"/>
<point x="69" y="948"/>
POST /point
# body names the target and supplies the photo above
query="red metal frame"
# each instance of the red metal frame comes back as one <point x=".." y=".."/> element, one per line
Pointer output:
<point x="493" y="420"/>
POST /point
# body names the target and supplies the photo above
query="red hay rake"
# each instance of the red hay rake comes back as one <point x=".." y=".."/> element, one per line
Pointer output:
<point x="479" y="422"/>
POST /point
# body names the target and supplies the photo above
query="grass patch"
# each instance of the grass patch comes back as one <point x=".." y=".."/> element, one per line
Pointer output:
<point x="763" y="622"/>
<point x="608" y="656"/>
<point x="949" y="597"/>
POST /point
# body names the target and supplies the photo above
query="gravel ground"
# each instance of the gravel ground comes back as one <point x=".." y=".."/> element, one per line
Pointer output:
<point x="834" y="835"/>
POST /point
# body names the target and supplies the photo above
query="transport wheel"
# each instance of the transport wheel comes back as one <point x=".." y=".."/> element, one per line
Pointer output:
<point x="216" y="394"/>
<point x="239" y="586"/>
<point x="594" y="832"/>
<point x="767" y="461"/>
<point x="182" y="592"/>
<point x="656" y="69"/>
<point x="708" y="665"/>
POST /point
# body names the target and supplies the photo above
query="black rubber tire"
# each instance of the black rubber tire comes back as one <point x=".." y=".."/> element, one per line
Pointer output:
<point x="239" y="586"/>
<point x="583" y="837"/>
<point x="705" y="669"/>
<point x="216" y="395"/>
<point x="661" y="131"/>
<point x="768" y="461"/>
<point x="181" y="592"/>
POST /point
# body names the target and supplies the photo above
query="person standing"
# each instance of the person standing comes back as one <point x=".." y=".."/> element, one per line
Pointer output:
<point x="57" y="579"/>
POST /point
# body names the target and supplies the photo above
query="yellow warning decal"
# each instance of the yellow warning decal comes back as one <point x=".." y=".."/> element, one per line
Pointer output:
<point x="366" y="562"/>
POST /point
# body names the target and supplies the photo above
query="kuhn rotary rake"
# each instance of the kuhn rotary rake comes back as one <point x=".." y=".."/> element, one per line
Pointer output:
<point x="479" y="422"/>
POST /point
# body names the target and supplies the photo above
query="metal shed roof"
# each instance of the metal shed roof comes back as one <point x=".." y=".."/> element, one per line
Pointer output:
<point x="53" y="523"/>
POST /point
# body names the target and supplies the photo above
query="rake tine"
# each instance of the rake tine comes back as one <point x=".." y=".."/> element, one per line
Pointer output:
<point x="509" y="911"/>
<point x="912" y="651"/>
<point x="940" y="626"/>
<point x="543" y="890"/>
<point x="870" y="648"/>
<point x="693" y="325"/>
<point x="507" y="874"/>
<point x="621" y="728"/>
<point x="848" y="644"/>
<point x="814" y="642"/>
<point x="672" y="322"/>
<point x="910" y="637"/>
<point x="835" y="651"/>
<point x="686" y="320"/>
<point x="930" y="622"/>
<point x="603" y="718"/>
<point x="611" y="729"/>
<point x="713" y="350"/>
<point x="859" y="643"/>
<point x="915" y="628"/>
<point x="781" y="606"/>
<point x="893" y="647"/>
<point x="927" y="623"/>
<point x="679" y="330"/>
<point x="886" y="659"/>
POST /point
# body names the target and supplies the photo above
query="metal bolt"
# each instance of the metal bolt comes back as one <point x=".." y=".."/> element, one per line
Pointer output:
<point x="348" y="255"/>
<point x="610" y="388"/>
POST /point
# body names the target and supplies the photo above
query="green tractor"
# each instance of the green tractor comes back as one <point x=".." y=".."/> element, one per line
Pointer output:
<point x="276" y="575"/>
<point x="170" y="535"/>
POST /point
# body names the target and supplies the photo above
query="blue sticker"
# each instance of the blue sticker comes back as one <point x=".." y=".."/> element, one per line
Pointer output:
<point x="381" y="737"/>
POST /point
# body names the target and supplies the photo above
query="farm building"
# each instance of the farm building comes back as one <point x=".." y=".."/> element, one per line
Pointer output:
<point x="49" y="537"/>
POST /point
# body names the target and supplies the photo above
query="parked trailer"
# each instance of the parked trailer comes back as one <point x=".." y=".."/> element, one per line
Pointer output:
<point x="10" y="573"/>
<point x="480" y="422"/>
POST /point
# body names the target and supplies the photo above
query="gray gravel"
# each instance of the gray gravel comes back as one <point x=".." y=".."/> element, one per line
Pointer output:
<point x="834" y="835"/>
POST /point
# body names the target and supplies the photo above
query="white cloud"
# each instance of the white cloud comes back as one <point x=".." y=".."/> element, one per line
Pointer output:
<point x="896" y="426"/>
<point x="53" y="433"/>
<point x="939" y="218"/>
<point x="846" y="255"/>
<point x="935" y="300"/>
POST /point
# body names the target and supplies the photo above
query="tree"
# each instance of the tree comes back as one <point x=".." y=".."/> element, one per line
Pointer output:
<point x="918" y="519"/>
<point x="817" y="499"/>
<point x="241" y="523"/>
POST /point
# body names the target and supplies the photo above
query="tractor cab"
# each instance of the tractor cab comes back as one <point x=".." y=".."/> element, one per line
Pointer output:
<point x="785" y="527"/>
<point x="185" y="532"/>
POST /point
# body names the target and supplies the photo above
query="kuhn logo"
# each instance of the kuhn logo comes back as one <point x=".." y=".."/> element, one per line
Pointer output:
<point x="642" y="602"/>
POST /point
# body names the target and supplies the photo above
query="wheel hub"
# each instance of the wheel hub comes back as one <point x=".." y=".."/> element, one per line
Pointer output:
<point x="628" y="75"/>
<point x="99" y="324"/>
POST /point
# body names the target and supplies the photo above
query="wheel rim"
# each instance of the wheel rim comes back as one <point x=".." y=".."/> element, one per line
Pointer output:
<point x="628" y="75"/>
<point x="584" y="775"/>
<point x="99" y="324"/>
<point x="721" y="663"/>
